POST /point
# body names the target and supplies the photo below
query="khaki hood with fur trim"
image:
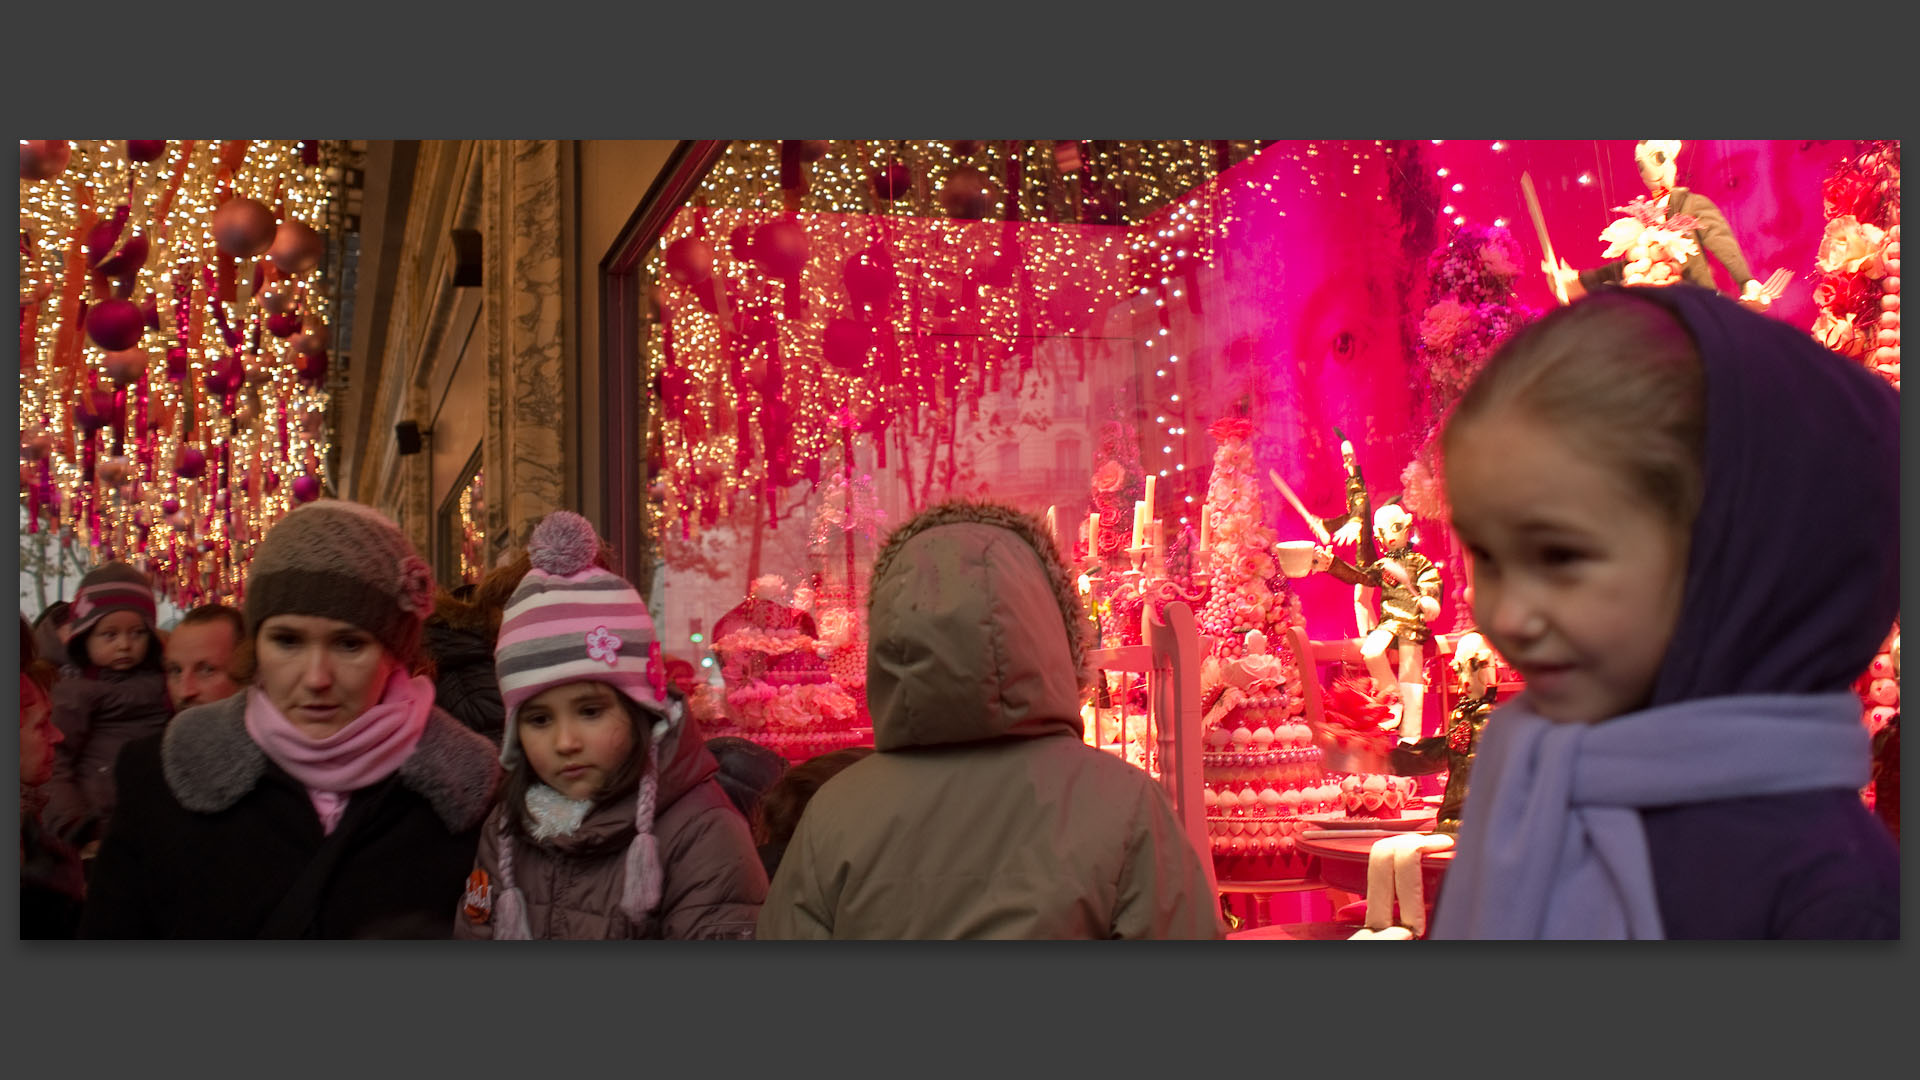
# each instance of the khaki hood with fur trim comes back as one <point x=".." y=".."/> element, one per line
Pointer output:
<point x="976" y="632"/>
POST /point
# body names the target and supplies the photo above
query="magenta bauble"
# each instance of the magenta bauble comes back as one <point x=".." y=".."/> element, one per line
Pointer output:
<point x="781" y="248"/>
<point x="191" y="464"/>
<point x="965" y="147"/>
<point x="243" y="228"/>
<point x="283" y="324"/>
<point x="94" y="410"/>
<point x="964" y="194"/>
<point x="297" y="247"/>
<point x="169" y="507"/>
<point x="311" y="369"/>
<point x="144" y="150"/>
<point x="306" y="488"/>
<point x="871" y="281"/>
<point x="809" y="149"/>
<point x="689" y="260"/>
<point x="44" y="159"/>
<point x="115" y="324"/>
<point x="893" y="181"/>
<point x="126" y="365"/>
<point x="845" y="344"/>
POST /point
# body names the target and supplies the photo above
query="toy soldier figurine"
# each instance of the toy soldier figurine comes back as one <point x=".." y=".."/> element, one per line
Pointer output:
<point x="1409" y="587"/>
<point x="1393" y="864"/>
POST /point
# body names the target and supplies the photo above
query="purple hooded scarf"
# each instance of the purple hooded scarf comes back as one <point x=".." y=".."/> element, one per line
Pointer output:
<point x="1792" y="583"/>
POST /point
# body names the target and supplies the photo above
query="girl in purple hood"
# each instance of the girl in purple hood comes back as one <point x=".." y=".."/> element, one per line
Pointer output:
<point x="1683" y="523"/>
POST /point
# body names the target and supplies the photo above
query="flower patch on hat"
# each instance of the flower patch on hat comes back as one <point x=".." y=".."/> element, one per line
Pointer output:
<point x="603" y="645"/>
<point x="416" y="586"/>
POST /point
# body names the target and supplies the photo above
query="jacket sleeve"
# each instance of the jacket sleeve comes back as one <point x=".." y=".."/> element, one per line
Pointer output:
<point x="1421" y="758"/>
<point x="795" y="909"/>
<point x="715" y="884"/>
<point x="1716" y="236"/>
<point x="1163" y="885"/>
<point x="1605" y="274"/>
<point x="67" y="811"/>
<point x="117" y="904"/>
<point x="486" y="859"/>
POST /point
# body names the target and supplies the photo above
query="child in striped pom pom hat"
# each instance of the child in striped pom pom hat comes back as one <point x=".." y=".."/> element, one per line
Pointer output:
<point x="613" y="824"/>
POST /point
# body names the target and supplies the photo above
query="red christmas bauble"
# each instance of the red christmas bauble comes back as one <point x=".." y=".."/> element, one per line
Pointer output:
<point x="278" y="298"/>
<point x="297" y="247"/>
<point x="313" y="340"/>
<point x="810" y="149"/>
<point x="146" y="149"/>
<point x="283" y="324"/>
<point x="191" y="464"/>
<point x="689" y="260"/>
<point x="306" y="488"/>
<point x="150" y="312"/>
<point x="115" y="324"/>
<point x="94" y="410"/>
<point x="965" y="147"/>
<point x="115" y="253"/>
<point x="243" y="228"/>
<point x="781" y="248"/>
<point x="177" y="361"/>
<point x="44" y="159"/>
<point x="964" y="195"/>
<point x="169" y="507"/>
<point x="893" y="181"/>
<point x="225" y="377"/>
<point x="125" y="365"/>
<point x="740" y="243"/>
<point x="311" y="369"/>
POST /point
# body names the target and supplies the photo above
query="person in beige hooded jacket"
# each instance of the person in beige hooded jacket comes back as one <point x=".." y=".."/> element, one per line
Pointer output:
<point x="983" y="813"/>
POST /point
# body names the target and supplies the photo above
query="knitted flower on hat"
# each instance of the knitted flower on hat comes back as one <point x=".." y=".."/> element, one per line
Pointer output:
<point x="571" y="621"/>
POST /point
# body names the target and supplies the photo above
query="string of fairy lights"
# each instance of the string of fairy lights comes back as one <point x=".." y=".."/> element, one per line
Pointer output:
<point x="178" y="451"/>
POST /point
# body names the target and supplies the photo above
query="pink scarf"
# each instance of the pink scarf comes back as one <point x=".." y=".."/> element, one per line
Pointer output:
<point x="366" y="751"/>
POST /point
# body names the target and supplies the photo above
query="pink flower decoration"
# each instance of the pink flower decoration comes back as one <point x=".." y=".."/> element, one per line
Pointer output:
<point x="416" y="586"/>
<point x="603" y="646"/>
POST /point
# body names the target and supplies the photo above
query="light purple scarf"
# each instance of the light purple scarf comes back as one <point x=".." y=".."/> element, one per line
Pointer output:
<point x="1551" y="844"/>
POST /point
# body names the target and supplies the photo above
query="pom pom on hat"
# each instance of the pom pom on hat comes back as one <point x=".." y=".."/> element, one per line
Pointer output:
<point x="563" y="544"/>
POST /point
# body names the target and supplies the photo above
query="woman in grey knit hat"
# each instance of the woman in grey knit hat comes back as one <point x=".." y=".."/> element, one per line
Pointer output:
<point x="331" y="799"/>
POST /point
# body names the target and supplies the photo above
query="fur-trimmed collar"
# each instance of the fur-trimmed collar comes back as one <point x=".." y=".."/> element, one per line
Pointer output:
<point x="210" y="762"/>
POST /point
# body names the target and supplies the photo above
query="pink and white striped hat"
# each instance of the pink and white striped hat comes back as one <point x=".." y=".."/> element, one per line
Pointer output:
<point x="572" y="621"/>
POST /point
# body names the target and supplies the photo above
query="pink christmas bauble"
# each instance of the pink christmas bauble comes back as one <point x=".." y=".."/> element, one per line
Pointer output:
<point x="297" y="247"/>
<point x="1891" y="285"/>
<point x="1890" y="302"/>
<point x="44" y="159"/>
<point x="781" y="248"/>
<point x="306" y="488"/>
<point x="283" y="324"/>
<point x="1888" y="337"/>
<point x="125" y="365"/>
<point x="964" y="195"/>
<point x="169" y="507"/>
<point x="115" y="324"/>
<point x="689" y="260"/>
<point x="243" y="228"/>
<point x="278" y="298"/>
<point x="893" y="181"/>
<point x="191" y="464"/>
<point x="144" y="150"/>
<point x="115" y="262"/>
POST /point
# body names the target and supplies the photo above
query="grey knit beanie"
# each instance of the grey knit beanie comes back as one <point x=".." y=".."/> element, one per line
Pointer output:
<point x="334" y="559"/>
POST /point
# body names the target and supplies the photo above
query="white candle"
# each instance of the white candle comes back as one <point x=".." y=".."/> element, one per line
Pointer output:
<point x="1139" y="524"/>
<point x="1149" y="499"/>
<point x="1053" y="529"/>
<point x="1093" y="534"/>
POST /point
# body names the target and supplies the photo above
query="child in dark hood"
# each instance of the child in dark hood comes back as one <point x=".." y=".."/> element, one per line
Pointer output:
<point x="111" y="692"/>
<point x="982" y="812"/>
<point x="1683" y="519"/>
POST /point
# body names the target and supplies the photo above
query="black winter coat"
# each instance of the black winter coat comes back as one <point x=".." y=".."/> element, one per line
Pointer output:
<point x="465" y="684"/>
<point x="210" y="836"/>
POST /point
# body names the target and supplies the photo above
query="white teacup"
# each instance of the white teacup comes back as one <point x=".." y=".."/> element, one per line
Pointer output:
<point x="1295" y="557"/>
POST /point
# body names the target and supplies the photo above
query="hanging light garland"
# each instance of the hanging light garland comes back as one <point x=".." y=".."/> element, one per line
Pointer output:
<point x="174" y="336"/>
<point x="814" y="292"/>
